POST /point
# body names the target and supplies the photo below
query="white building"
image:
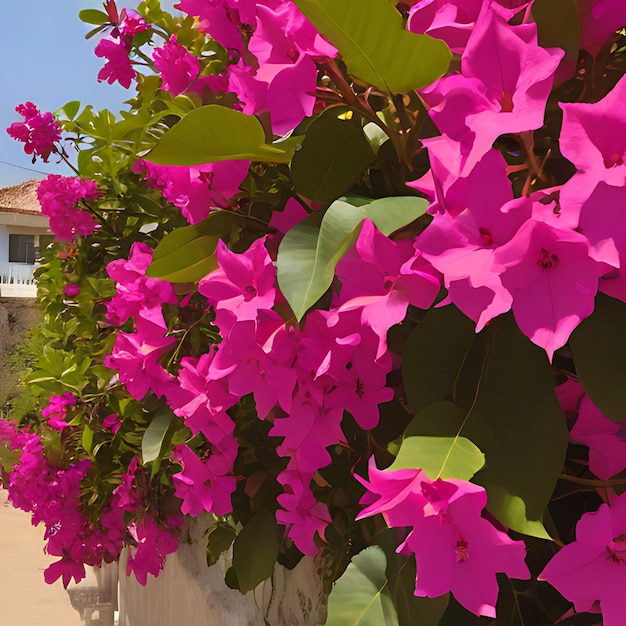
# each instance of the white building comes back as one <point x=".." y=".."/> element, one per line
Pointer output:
<point x="23" y="231"/>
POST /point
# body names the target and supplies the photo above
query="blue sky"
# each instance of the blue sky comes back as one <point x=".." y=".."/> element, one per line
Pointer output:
<point x="46" y="59"/>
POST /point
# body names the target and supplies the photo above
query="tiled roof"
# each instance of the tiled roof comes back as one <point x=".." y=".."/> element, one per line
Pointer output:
<point x="20" y="198"/>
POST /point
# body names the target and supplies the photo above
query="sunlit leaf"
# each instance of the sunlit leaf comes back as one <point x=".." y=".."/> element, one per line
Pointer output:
<point x="214" y="133"/>
<point x="374" y="44"/>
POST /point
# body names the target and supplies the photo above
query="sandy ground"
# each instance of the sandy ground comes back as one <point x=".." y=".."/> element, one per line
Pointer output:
<point x="25" y="599"/>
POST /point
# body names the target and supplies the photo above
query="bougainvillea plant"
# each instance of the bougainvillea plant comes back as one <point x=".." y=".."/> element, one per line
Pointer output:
<point x="347" y="277"/>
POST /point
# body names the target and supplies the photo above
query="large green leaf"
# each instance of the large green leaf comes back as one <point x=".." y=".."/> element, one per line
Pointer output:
<point x="440" y="457"/>
<point x="255" y="550"/>
<point x="361" y="596"/>
<point x="599" y="346"/>
<point x="375" y="46"/>
<point x="506" y="390"/>
<point x="187" y="254"/>
<point x="558" y="26"/>
<point x="434" y="354"/>
<point x="154" y="436"/>
<point x="310" y="251"/>
<point x="214" y="133"/>
<point x="333" y="155"/>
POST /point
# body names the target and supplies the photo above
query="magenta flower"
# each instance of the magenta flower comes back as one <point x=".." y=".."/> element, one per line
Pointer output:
<point x="591" y="571"/>
<point x="599" y="19"/>
<point x="593" y="138"/>
<point x="455" y="548"/>
<point x="301" y="514"/>
<point x="381" y="277"/>
<point x="198" y="487"/>
<point x="605" y="439"/>
<point x="462" y="244"/>
<point x="196" y="189"/>
<point x="118" y="66"/>
<point x="131" y="23"/>
<point x="71" y="290"/>
<point x="244" y="283"/>
<point x="602" y="222"/>
<point x="553" y="281"/>
<point x="59" y="197"/>
<point x="178" y="67"/>
<point x="505" y="82"/>
<point x="112" y="422"/>
<point x="56" y="411"/>
<point x="39" y="131"/>
<point x="222" y="19"/>
<point x="153" y="544"/>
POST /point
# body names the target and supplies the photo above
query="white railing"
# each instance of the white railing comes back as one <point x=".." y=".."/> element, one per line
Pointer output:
<point x="18" y="282"/>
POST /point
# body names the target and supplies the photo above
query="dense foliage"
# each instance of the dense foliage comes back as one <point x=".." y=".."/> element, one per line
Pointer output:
<point x="346" y="276"/>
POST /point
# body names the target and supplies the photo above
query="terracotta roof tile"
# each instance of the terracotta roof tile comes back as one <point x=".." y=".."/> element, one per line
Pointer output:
<point x="20" y="198"/>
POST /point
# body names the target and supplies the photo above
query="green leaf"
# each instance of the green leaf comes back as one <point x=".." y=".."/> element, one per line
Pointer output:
<point x="309" y="252"/>
<point x="214" y="133"/>
<point x="440" y="457"/>
<point x="558" y="26"/>
<point x="93" y="16"/>
<point x="219" y="538"/>
<point x="599" y="345"/>
<point x="374" y="44"/>
<point x="505" y="387"/>
<point x="87" y="439"/>
<point x="70" y="109"/>
<point x="154" y="436"/>
<point x="361" y="595"/>
<point x="255" y="550"/>
<point x="187" y="254"/>
<point x="334" y="154"/>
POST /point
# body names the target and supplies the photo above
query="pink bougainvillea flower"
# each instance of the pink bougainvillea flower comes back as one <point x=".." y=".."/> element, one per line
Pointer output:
<point x="592" y="569"/>
<point x="198" y="487"/>
<point x="302" y="514"/>
<point x="505" y="82"/>
<point x="59" y="197"/>
<point x="602" y="222"/>
<point x="39" y="131"/>
<point x="178" y="67"/>
<point x="381" y="278"/>
<point x="599" y="19"/>
<point x="593" y="138"/>
<point x="283" y="80"/>
<point x="137" y="294"/>
<point x="56" y="411"/>
<point x="222" y="19"/>
<point x="553" y="281"/>
<point x="71" y="290"/>
<point x="606" y="440"/>
<point x="244" y="283"/>
<point x="455" y="548"/>
<point x="451" y="21"/>
<point x="135" y="356"/>
<point x="118" y="66"/>
<point x="196" y="189"/>
<point x="153" y="544"/>
<point x="131" y="23"/>
<point x="462" y="245"/>
<point x="112" y="422"/>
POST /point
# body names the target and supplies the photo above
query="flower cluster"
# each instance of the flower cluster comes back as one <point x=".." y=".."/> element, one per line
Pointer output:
<point x="522" y="177"/>
<point x="39" y="131"/>
<point x="59" y="197"/>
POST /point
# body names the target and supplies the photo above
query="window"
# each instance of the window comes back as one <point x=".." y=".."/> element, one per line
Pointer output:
<point x="22" y="249"/>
